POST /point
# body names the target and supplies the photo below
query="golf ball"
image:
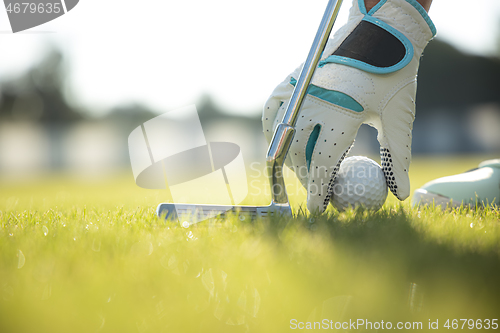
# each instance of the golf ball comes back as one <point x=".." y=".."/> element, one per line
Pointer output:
<point x="360" y="182"/>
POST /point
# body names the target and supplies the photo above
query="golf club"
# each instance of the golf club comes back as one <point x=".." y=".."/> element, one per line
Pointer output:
<point x="278" y="148"/>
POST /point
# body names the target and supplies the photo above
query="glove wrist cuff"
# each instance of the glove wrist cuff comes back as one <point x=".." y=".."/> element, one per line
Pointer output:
<point x="406" y="16"/>
<point x="383" y="40"/>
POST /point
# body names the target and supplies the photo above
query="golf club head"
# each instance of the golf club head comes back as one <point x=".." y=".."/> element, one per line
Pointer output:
<point x="194" y="213"/>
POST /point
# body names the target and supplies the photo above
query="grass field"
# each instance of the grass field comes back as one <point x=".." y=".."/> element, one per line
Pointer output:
<point x="90" y="256"/>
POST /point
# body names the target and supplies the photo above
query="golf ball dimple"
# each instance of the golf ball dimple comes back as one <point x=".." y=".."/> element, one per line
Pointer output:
<point x="360" y="181"/>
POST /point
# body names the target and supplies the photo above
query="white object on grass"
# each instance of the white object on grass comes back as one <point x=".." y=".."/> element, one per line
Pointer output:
<point x="360" y="182"/>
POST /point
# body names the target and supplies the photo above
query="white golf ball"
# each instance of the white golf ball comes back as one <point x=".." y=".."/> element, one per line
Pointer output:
<point x="360" y="182"/>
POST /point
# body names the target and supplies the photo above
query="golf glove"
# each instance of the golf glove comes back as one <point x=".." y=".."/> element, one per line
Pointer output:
<point x="367" y="74"/>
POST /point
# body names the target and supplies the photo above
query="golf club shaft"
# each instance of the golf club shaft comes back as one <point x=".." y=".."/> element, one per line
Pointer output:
<point x="283" y="135"/>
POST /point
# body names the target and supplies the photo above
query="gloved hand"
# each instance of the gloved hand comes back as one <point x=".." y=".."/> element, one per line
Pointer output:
<point x="367" y="74"/>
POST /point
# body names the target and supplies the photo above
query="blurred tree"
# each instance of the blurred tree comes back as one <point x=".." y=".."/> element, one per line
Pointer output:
<point x="451" y="79"/>
<point x="38" y="94"/>
<point x="498" y="39"/>
<point x="210" y="112"/>
<point x="452" y="87"/>
<point x="128" y="117"/>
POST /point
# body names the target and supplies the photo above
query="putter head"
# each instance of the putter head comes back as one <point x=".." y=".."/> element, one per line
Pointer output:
<point x="194" y="213"/>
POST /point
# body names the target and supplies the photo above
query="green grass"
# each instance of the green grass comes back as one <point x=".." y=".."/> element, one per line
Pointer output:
<point x="80" y="256"/>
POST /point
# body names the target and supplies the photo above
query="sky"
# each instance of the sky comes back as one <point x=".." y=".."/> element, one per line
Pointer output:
<point x="166" y="54"/>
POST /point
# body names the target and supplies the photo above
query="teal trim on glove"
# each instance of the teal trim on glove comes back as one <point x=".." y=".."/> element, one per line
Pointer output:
<point x="370" y="68"/>
<point x="311" y="143"/>
<point x="331" y="96"/>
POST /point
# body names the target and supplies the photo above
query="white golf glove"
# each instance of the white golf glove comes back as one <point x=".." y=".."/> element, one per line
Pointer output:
<point x="367" y="74"/>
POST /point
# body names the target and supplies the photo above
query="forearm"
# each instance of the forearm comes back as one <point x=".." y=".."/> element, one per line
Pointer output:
<point x="369" y="4"/>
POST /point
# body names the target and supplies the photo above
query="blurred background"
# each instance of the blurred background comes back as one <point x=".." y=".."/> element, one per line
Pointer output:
<point x="73" y="89"/>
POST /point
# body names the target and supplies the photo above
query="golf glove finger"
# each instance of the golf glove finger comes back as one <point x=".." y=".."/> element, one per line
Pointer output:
<point x="367" y="74"/>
